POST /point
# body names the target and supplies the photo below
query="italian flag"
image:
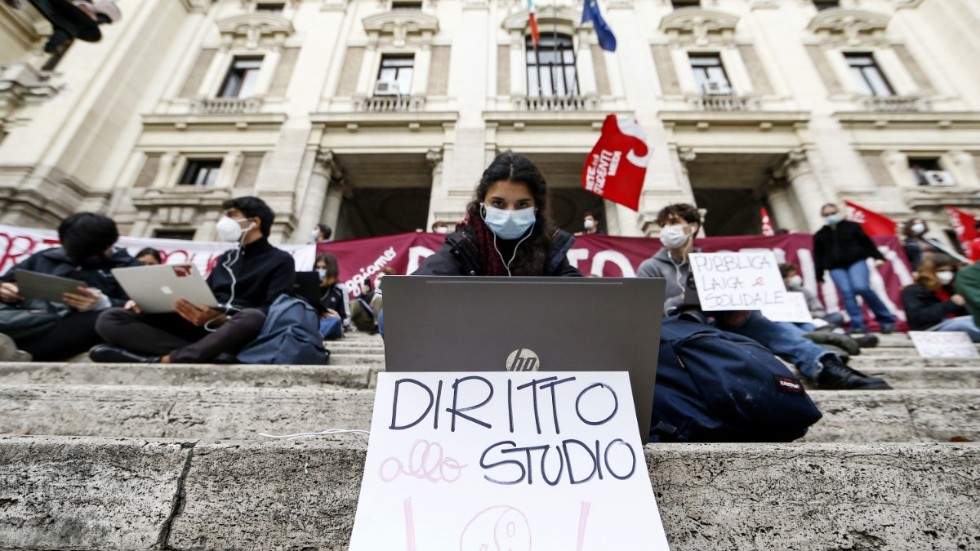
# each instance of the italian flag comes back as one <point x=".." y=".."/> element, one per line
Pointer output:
<point x="533" y="22"/>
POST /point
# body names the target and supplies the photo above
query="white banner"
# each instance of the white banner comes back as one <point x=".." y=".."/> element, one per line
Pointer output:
<point x="505" y="460"/>
<point x="16" y="244"/>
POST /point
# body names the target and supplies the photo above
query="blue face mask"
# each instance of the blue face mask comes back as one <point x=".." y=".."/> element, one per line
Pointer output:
<point x="832" y="219"/>
<point x="508" y="224"/>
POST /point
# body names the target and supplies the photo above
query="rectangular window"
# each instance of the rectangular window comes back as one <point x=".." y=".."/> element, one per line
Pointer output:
<point x="395" y="75"/>
<point x="868" y="75"/>
<point x="241" y="79"/>
<point x="928" y="172"/>
<point x="405" y="5"/>
<point x="270" y="7"/>
<point x="826" y="4"/>
<point x="551" y="67"/>
<point x="709" y="74"/>
<point x="201" y="172"/>
<point x="174" y="234"/>
<point x="678" y="4"/>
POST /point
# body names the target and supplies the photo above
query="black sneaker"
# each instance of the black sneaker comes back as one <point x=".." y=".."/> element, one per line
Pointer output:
<point x="866" y="341"/>
<point x="106" y="353"/>
<point x="886" y="328"/>
<point x="835" y="374"/>
<point x="849" y="345"/>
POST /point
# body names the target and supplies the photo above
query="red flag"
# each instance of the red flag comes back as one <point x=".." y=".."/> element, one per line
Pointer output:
<point x="766" y="223"/>
<point x="964" y="224"/>
<point x="533" y="23"/>
<point x="618" y="163"/>
<point x="871" y="222"/>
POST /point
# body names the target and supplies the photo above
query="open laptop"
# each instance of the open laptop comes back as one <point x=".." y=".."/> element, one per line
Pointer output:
<point x="527" y="323"/>
<point x="307" y="287"/>
<point x="155" y="289"/>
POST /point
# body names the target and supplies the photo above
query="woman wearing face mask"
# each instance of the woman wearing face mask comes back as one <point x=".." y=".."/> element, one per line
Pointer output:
<point x="333" y="297"/>
<point x="917" y="246"/>
<point x="507" y="230"/>
<point x="794" y="283"/>
<point x="842" y="248"/>
<point x="932" y="304"/>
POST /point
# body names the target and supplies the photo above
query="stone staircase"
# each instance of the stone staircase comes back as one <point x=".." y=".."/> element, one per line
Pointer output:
<point x="170" y="457"/>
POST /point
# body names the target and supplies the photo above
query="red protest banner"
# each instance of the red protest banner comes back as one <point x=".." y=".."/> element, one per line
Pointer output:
<point x="766" y="223"/>
<point x="965" y="226"/>
<point x="618" y="163"/>
<point x="873" y="223"/>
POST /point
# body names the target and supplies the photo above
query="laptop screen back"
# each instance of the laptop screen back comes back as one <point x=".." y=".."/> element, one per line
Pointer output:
<point x="518" y="323"/>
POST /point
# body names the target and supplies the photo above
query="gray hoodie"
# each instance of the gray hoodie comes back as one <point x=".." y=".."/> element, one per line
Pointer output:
<point x="676" y="273"/>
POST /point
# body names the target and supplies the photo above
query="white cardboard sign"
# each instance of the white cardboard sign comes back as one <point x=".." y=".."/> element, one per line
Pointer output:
<point x="794" y="309"/>
<point x="514" y="461"/>
<point x="943" y="344"/>
<point x="737" y="281"/>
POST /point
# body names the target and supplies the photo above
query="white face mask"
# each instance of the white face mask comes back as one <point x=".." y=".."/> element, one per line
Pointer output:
<point x="796" y="281"/>
<point x="673" y="236"/>
<point x="230" y="229"/>
<point x="322" y="273"/>
<point x="918" y="229"/>
<point x="508" y="224"/>
<point x="315" y="234"/>
<point x="442" y="229"/>
<point x="589" y="223"/>
<point x="945" y="277"/>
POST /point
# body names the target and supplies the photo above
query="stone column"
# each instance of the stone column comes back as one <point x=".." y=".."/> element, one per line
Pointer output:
<point x="804" y="186"/>
<point x="325" y="170"/>
<point x="783" y="212"/>
<point x="437" y="193"/>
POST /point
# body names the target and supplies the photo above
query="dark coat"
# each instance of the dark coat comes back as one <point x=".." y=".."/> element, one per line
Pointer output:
<point x="841" y="246"/>
<point x="459" y="256"/>
<point x="925" y="309"/>
<point x="56" y="262"/>
<point x="261" y="274"/>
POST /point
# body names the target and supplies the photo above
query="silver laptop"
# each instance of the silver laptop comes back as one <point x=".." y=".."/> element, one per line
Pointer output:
<point x="156" y="288"/>
<point x="527" y="323"/>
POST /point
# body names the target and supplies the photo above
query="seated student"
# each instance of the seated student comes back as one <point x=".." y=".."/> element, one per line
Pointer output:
<point x="365" y="307"/>
<point x="932" y="303"/>
<point x="679" y="225"/>
<point x="246" y="280"/>
<point x="86" y="254"/>
<point x="333" y="297"/>
<point x="507" y="230"/>
<point x="968" y="286"/>
<point x="150" y="256"/>
<point x="917" y="246"/>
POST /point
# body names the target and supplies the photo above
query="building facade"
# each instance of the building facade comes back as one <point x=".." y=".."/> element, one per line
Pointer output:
<point x="379" y="116"/>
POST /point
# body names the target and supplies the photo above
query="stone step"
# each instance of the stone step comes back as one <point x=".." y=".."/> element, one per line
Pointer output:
<point x="127" y="494"/>
<point x="241" y="413"/>
<point x="934" y="374"/>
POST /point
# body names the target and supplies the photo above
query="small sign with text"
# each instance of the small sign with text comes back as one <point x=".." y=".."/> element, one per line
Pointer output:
<point x="505" y="461"/>
<point x="737" y="281"/>
<point x="943" y="344"/>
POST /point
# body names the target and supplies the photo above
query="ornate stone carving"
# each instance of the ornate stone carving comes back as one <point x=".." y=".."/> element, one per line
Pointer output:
<point x="564" y="17"/>
<point x="400" y="24"/>
<point x="700" y="27"/>
<point x="852" y="28"/>
<point x="252" y="29"/>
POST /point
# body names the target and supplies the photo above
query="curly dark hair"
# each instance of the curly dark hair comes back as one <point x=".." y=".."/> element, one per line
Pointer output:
<point x="510" y="167"/>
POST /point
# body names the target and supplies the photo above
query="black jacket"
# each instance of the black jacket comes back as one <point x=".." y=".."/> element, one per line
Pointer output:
<point x="840" y="246"/>
<point x="56" y="262"/>
<point x="261" y="274"/>
<point x="925" y="309"/>
<point x="459" y="256"/>
<point x="332" y="298"/>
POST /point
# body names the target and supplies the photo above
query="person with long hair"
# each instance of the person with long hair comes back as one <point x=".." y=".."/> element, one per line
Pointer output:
<point x="917" y="246"/>
<point x="507" y="230"/>
<point x="932" y="303"/>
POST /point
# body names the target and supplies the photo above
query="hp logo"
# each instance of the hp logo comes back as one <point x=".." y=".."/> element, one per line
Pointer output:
<point x="523" y="359"/>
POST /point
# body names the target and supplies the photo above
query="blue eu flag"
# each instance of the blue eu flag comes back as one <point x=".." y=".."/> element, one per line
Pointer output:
<point x="607" y="40"/>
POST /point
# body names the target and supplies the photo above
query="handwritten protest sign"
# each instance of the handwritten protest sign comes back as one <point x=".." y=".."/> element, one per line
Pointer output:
<point x="737" y="281"/>
<point x="793" y="309"/>
<point x="943" y="344"/>
<point x="509" y="460"/>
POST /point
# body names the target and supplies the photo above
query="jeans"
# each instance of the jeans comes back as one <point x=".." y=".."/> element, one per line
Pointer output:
<point x="784" y="340"/>
<point x="331" y="328"/>
<point x="962" y="323"/>
<point x="852" y="282"/>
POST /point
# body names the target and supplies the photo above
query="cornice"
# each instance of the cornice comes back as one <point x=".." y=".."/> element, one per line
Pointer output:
<point x="699" y="26"/>
<point x="846" y="27"/>
<point x="400" y="24"/>
<point x="928" y="119"/>
<point x="251" y="29"/>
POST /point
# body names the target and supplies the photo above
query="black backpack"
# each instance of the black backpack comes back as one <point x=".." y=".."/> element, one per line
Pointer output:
<point x="717" y="386"/>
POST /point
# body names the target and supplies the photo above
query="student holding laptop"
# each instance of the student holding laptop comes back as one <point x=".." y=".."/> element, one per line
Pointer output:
<point x="507" y="230"/>
<point x="246" y="280"/>
<point x="86" y="254"/>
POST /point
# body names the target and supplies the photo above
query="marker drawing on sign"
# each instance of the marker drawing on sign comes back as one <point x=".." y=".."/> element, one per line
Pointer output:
<point x="409" y="524"/>
<point x="583" y="520"/>
<point x="497" y="528"/>
<point x="426" y="461"/>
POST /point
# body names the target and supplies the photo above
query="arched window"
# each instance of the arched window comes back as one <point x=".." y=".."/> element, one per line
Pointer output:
<point x="551" y="67"/>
